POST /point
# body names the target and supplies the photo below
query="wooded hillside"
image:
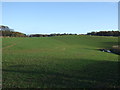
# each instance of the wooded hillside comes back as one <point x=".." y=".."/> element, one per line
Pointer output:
<point x="6" y="31"/>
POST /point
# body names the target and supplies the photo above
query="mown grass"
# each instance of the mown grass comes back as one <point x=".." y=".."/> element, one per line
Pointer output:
<point x="59" y="62"/>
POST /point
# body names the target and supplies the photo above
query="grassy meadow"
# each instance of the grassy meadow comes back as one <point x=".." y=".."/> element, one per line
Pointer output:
<point x="59" y="62"/>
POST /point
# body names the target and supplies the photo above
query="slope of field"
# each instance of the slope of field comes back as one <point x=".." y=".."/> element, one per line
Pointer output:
<point x="62" y="61"/>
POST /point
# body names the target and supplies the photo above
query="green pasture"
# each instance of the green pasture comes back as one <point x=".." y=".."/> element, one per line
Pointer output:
<point x="59" y="62"/>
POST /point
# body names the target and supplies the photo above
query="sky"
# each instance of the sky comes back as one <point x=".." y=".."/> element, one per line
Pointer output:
<point x="60" y="17"/>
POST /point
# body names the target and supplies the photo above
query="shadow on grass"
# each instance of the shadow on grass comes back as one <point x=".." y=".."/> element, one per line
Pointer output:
<point x="94" y="74"/>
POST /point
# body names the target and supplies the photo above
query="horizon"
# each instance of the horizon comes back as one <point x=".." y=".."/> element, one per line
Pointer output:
<point x="54" y="33"/>
<point x="60" y="17"/>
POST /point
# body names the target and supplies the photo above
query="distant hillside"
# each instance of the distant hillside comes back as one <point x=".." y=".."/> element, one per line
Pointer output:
<point x="5" y="31"/>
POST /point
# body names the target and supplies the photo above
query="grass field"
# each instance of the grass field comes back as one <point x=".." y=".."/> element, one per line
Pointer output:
<point x="59" y="62"/>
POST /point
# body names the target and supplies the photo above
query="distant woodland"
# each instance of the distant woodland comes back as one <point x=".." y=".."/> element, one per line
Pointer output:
<point x="5" y="31"/>
<point x="105" y="33"/>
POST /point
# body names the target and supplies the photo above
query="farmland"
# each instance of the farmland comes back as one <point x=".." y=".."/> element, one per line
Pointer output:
<point x="59" y="62"/>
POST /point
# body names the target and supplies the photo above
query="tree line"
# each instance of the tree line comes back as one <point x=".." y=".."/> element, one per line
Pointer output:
<point x="105" y="33"/>
<point x="48" y="35"/>
<point x="8" y="33"/>
<point x="11" y="34"/>
<point x="5" y="31"/>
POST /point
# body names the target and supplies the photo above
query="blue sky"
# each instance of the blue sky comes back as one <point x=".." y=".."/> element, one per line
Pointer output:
<point x="60" y="17"/>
